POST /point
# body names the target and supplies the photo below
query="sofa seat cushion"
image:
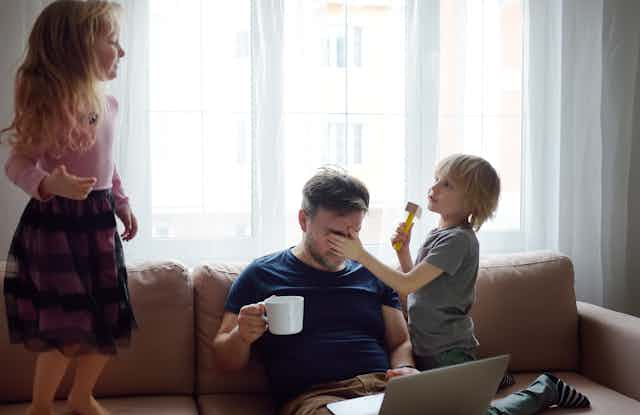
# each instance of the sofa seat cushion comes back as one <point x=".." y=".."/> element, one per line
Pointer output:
<point x="235" y="403"/>
<point x="148" y="405"/>
<point x="603" y="400"/>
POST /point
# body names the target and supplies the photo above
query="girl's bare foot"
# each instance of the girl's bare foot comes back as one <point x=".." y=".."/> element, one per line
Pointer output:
<point x="32" y="410"/>
<point x="86" y="406"/>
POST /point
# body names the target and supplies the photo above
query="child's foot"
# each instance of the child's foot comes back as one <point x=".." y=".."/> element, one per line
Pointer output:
<point x="32" y="410"/>
<point x="568" y="396"/>
<point x="86" y="406"/>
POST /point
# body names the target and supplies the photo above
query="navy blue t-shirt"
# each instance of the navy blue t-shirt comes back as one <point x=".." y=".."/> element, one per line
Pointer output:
<point x="343" y="329"/>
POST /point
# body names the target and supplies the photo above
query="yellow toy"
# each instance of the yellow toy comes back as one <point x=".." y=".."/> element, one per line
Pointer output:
<point x="413" y="211"/>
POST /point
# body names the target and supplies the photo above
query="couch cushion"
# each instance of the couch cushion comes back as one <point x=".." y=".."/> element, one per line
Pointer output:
<point x="526" y="306"/>
<point x="234" y="403"/>
<point x="211" y="284"/>
<point x="160" y="359"/>
<point x="151" y="405"/>
<point x="604" y="401"/>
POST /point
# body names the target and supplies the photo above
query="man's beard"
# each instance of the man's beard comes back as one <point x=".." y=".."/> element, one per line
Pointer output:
<point x="309" y="246"/>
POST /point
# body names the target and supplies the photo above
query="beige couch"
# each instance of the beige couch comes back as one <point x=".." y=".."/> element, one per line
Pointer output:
<point x="525" y="306"/>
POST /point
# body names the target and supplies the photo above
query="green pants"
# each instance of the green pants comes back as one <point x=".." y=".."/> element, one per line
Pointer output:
<point x="538" y="396"/>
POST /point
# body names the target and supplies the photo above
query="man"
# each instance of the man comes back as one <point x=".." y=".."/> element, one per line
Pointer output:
<point x="354" y="337"/>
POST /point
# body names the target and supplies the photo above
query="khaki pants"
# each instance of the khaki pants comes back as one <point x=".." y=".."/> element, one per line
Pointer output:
<point x="315" y="400"/>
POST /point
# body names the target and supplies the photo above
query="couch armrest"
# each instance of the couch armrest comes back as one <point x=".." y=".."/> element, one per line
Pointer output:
<point x="609" y="348"/>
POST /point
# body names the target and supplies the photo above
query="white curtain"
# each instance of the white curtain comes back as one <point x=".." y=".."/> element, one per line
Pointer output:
<point x="131" y="88"/>
<point x="422" y="87"/>
<point x="580" y="127"/>
<point x="620" y="133"/>
<point x="268" y="80"/>
<point x="577" y="129"/>
<point x="581" y="107"/>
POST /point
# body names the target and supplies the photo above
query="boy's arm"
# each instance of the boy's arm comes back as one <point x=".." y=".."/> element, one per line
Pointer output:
<point x="404" y="254"/>
<point x="406" y="263"/>
<point x="403" y="283"/>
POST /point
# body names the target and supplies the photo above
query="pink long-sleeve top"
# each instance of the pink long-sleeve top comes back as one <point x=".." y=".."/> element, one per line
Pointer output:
<point x="27" y="173"/>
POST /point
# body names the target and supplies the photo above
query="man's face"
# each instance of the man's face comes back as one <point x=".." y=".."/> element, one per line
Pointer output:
<point x="317" y="230"/>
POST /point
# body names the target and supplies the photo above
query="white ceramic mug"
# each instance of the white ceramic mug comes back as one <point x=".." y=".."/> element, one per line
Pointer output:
<point x="285" y="313"/>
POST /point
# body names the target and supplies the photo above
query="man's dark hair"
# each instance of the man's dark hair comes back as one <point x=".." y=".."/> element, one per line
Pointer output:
<point x="333" y="189"/>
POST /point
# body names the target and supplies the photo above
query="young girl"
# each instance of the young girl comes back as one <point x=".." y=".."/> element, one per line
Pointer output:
<point x="440" y="287"/>
<point x="66" y="285"/>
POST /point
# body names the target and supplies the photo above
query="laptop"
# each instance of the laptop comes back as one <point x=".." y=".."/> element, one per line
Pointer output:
<point x="464" y="389"/>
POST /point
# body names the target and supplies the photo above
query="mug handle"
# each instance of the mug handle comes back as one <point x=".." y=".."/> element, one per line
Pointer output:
<point x="264" y="316"/>
<point x="266" y="299"/>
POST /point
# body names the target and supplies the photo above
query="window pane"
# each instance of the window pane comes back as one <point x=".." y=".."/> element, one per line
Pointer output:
<point x="344" y="102"/>
<point x="200" y="80"/>
<point x="376" y="109"/>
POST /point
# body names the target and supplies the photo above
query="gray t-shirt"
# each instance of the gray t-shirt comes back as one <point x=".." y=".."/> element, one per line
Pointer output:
<point x="439" y="311"/>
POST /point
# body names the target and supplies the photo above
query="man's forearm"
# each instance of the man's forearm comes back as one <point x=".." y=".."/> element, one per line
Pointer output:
<point x="402" y="355"/>
<point x="230" y="351"/>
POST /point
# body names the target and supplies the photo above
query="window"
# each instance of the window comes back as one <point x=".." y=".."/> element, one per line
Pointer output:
<point x="341" y="150"/>
<point x="200" y="120"/>
<point x="325" y="108"/>
<point x="243" y="45"/>
<point x="344" y="45"/>
<point x="480" y="106"/>
<point x="336" y="93"/>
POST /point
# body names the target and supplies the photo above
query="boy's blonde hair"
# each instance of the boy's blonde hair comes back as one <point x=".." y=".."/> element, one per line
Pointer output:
<point x="57" y="85"/>
<point x="479" y="182"/>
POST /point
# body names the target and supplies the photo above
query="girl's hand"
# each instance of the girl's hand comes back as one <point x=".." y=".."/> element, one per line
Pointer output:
<point x="129" y="221"/>
<point x="61" y="183"/>
<point x="403" y="238"/>
<point x="348" y="247"/>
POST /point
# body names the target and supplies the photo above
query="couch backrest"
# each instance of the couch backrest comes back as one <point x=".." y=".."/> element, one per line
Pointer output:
<point x="211" y="284"/>
<point x="161" y="357"/>
<point x="525" y="305"/>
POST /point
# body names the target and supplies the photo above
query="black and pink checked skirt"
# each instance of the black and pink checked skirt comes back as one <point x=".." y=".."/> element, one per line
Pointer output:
<point x="65" y="283"/>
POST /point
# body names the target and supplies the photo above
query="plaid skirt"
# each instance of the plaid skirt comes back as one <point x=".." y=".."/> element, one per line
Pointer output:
<point x="65" y="283"/>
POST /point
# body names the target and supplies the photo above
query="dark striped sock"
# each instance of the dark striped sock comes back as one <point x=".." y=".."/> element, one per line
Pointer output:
<point x="507" y="380"/>
<point x="568" y="396"/>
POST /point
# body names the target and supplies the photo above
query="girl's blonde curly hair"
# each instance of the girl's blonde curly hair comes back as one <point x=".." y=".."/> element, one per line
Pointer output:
<point x="480" y="184"/>
<point x="57" y="87"/>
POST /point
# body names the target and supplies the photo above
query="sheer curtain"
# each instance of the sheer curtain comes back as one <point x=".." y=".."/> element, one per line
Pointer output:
<point x="620" y="130"/>
<point x="242" y="112"/>
<point x="131" y="89"/>
<point x="245" y="104"/>
<point x="223" y="116"/>
<point x="581" y="109"/>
